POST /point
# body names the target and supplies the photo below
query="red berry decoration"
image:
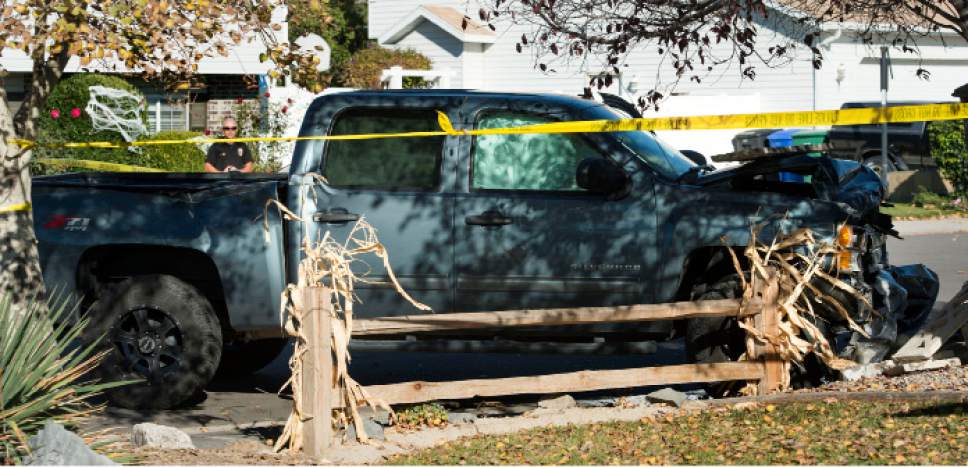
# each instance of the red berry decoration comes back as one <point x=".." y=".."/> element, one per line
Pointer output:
<point x="267" y="94"/>
<point x="208" y="132"/>
<point x="285" y="109"/>
<point x="55" y="114"/>
<point x="75" y="112"/>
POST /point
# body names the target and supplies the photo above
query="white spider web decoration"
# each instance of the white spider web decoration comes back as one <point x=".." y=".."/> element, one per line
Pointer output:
<point x="116" y="110"/>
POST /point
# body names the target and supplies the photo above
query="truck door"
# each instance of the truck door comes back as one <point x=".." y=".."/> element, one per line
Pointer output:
<point x="528" y="237"/>
<point x="399" y="186"/>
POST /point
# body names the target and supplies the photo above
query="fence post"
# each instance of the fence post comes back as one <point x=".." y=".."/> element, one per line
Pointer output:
<point x="317" y="372"/>
<point x="767" y="321"/>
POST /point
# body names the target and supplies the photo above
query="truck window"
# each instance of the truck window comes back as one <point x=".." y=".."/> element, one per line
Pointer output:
<point x="384" y="164"/>
<point x="545" y="162"/>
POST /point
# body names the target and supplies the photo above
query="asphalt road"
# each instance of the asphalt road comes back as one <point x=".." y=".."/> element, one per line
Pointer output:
<point x="253" y="402"/>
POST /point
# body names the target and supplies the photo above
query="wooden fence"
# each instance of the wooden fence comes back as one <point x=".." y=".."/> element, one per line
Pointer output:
<point x="318" y="399"/>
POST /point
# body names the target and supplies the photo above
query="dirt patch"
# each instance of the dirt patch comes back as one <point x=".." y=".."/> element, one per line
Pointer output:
<point x="243" y="452"/>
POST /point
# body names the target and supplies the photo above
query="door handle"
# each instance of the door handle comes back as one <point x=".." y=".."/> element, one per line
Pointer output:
<point x="336" y="216"/>
<point x="489" y="218"/>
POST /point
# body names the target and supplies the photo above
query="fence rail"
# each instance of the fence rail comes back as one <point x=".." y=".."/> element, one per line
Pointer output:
<point x="318" y="400"/>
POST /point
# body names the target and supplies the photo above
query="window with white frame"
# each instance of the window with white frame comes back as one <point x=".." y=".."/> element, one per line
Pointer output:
<point x="167" y="112"/>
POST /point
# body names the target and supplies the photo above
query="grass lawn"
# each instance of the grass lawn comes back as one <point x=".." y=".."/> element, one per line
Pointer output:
<point x="907" y="210"/>
<point x="848" y="432"/>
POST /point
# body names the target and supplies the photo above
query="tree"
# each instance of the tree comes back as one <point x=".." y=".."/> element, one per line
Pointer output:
<point x="697" y="36"/>
<point x="344" y="28"/>
<point x="158" y="38"/>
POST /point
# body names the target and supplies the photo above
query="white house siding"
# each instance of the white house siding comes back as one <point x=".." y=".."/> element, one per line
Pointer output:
<point x="442" y="48"/>
<point x="858" y="68"/>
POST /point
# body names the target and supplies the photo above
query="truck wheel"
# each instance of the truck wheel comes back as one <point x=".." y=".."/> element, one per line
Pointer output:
<point x="715" y="340"/>
<point x="161" y="330"/>
<point x="244" y="358"/>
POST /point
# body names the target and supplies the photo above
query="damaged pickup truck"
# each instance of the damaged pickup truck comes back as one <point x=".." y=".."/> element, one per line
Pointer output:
<point x="183" y="272"/>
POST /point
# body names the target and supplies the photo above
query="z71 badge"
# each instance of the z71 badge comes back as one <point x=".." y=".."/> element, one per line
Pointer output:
<point x="68" y="223"/>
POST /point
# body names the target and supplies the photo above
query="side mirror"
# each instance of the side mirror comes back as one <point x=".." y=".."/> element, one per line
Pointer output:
<point x="600" y="175"/>
<point x="695" y="156"/>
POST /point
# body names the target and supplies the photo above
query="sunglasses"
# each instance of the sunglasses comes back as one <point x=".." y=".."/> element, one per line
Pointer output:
<point x="230" y="128"/>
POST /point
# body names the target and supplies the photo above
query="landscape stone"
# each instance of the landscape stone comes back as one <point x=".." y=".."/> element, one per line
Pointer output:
<point x="372" y="429"/>
<point x="869" y="370"/>
<point x="160" y="436"/>
<point x="55" y="445"/>
<point x="558" y="403"/>
<point x="378" y="415"/>
<point x="668" y="396"/>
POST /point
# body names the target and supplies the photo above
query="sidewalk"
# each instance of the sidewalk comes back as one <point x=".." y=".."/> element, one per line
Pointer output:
<point x="931" y="227"/>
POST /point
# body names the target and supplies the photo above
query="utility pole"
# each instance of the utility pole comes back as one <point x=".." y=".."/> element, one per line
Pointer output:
<point x="885" y="70"/>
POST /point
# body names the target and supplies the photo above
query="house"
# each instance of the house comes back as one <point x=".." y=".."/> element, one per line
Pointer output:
<point x="485" y="59"/>
<point x="196" y="104"/>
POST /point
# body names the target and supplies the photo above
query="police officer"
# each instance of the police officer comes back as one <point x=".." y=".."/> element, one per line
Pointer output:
<point x="229" y="157"/>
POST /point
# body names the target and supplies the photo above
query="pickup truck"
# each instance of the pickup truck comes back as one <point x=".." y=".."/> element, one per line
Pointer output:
<point x="908" y="145"/>
<point x="183" y="272"/>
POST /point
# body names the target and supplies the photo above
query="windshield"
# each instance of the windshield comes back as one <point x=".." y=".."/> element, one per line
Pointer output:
<point x="660" y="156"/>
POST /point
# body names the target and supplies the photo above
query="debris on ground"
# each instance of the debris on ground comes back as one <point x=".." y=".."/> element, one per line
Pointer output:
<point x="948" y="379"/>
<point x="160" y="436"/>
<point x="55" y="445"/>
<point x="244" y="452"/>
<point x="927" y="365"/>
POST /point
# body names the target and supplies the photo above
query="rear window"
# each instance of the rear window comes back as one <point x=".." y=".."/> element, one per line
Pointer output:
<point x="384" y="164"/>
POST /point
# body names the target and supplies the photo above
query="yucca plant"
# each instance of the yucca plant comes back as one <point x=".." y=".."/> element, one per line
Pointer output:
<point x="42" y="373"/>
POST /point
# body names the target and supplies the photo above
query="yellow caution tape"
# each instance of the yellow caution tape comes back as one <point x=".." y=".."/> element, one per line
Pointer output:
<point x="96" y="165"/>
<point x="899" y="114"/>
<point x="15" y="208"/>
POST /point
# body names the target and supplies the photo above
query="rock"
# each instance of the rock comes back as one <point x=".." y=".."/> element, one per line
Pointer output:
<point x="606" y="402"/>
<point x="372" y="429"/>
<point x="378" y="415"/>
<point x="869" y="370"/>
<point x="54" y="445"/>
<point x="461" y="417"/>
<point x="668" y="396"/>
<point x="558" y="403"/>
<point x="160" y="436"/>
<point x="922" y="366"/>
<point x="697" y="394"/>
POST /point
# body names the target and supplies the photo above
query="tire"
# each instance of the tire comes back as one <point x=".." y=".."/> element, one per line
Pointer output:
<point x="244" y="358"/>
<point x="874" y="163"/>
<point x="159" y="329"/>
<point x="716" y="340"/>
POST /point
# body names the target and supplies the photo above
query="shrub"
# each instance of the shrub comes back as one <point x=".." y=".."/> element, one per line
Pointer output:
<point x="947" y="142"/>
<point x="72" y="93"/>
<point x="173" y="157"/>
<point x="365" y="66"/>
<point x="42" y="374"/>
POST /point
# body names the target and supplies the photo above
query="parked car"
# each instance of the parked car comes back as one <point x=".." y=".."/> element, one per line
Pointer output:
<point x="908" y="144"/>
<point x="183" y="272"/>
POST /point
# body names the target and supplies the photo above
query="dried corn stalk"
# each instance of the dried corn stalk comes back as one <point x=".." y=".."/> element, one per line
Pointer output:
<point x="328" y="264"/>
<point x="798" y="336"/>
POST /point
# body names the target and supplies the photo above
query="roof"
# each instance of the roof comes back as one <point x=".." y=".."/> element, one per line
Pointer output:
<point x="449" y="19"/>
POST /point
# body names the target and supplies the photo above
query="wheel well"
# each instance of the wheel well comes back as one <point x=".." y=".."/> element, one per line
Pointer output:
<point x="705" y="266"/>
<point x="105" y="266"/>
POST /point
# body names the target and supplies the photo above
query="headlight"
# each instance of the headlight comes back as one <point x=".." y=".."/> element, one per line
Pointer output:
<point x="845" y="235"/>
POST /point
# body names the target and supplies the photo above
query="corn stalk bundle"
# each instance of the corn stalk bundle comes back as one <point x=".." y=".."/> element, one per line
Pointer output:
<point x="327" y="263"/>
<point x="797" y="260"/>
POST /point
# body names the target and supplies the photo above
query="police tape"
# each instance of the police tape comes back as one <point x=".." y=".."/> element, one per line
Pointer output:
<point x="861" y="116"/>
<point x="95" y="165"/>
<point x="15" y="208"/>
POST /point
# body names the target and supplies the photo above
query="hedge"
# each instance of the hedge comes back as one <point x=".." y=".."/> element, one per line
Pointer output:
<point x="947" y="142"/>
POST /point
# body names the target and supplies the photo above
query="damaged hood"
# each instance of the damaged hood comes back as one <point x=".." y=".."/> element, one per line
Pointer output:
<point x="852" y="186"/>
